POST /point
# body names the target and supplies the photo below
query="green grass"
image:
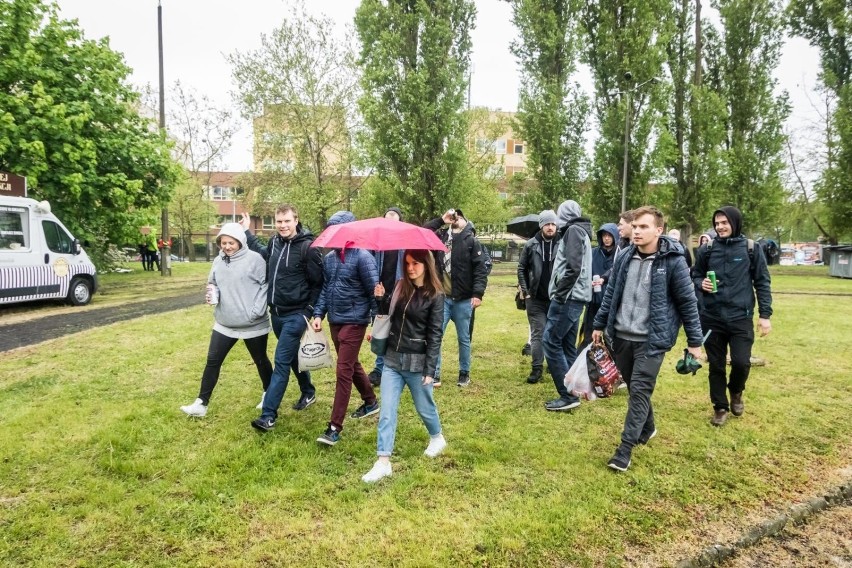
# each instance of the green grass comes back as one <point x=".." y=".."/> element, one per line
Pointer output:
<point x="98" y="467"/>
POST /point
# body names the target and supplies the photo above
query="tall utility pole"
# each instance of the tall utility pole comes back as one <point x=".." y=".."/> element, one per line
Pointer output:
<point x="166" y="260"/>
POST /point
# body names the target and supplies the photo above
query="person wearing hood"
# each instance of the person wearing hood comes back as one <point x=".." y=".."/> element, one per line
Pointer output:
<point x="603" y="256"/>
<point x="728" y="311"/>
<point x="294" y="273"/>
<point x="390" y="265"/>
<point x="463" y="271"/>
<point x="347" y="300"/>
<point x="570" y="290"/>
<point x="648" y="297"/>
<point x="239" y="312"/>
<point x="534" y="270"/>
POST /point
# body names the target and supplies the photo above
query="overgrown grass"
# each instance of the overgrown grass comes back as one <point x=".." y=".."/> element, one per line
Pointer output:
<point x="98" y="467"/>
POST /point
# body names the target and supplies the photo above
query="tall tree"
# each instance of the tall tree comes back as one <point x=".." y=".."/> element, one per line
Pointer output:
<point x="827" y="25"/>
<point x="694" y="125"/>
<point x="625" y="48"/>
<point x="300" y="88"/>
<point x="69" y="121"/>
<point x="415" y="57"/>
<point x="552" y="110"/>
<point x="742" y="62"/>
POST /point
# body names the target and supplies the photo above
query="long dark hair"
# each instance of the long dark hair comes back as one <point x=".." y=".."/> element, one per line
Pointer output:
<point x="431" y="284"/>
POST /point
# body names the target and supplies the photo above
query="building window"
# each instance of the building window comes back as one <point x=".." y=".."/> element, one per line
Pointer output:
<point x="500" y="147"/>
<point x="268" y="222"/>
<point x="519" y="148"/>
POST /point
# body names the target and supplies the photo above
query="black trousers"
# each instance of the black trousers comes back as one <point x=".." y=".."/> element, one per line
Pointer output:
<point x="639" y="371"/>
<point x="220" y="346"/>
<point x="739" y="336"/>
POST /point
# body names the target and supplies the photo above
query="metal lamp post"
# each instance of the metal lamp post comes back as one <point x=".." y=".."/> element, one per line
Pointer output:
<point x="166" y="264"/>
<point x="627" y="93"/>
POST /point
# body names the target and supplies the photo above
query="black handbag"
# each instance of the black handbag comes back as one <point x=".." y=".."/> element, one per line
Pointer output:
<point x="520" y="303"/>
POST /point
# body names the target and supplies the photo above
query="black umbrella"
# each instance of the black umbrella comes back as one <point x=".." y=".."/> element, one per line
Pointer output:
<point x="526" y="226"/>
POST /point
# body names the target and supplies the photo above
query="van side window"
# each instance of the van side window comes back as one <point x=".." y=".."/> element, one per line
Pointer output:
<point x="12" y="233"/>
<point x="57" y="239"/>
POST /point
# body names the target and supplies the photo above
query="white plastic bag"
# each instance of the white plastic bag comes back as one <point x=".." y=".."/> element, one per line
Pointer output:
<point x="314" y="350"/>
<point x="577" y="378"/>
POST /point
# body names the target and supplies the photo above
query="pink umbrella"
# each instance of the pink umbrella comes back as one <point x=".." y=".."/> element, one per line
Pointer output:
<point x="379" y="234"/>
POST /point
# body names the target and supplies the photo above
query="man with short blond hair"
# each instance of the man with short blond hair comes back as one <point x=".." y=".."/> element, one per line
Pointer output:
<point x="648" y="296"/>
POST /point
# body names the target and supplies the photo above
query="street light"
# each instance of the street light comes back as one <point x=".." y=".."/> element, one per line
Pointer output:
<point x="627" y="77"/>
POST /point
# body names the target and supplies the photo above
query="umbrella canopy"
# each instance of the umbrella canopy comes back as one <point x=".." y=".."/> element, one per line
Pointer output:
<point x="379" y="234"/>
<point x="526" y="226"/>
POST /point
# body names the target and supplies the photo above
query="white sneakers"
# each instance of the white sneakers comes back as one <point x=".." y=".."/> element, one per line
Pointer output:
<point x="436" y="445"/>
<point x="197" y="408"/>
<point x="380" y="469"/>
<point x="260" y="404"/>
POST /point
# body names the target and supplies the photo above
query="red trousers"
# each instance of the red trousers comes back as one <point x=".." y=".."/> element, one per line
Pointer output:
<point x="347" y="339"/>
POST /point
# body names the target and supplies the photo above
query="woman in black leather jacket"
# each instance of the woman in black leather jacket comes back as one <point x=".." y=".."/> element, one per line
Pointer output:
<point x="414" y="343"/>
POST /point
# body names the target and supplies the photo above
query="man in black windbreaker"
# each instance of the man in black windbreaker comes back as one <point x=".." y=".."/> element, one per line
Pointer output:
<point x="295" y="277"/>
<point x="464" y="274"/>
<point x="728" y="312"/>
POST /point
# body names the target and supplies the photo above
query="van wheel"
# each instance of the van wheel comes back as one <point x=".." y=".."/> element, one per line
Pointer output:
<point x="80" y="292"/>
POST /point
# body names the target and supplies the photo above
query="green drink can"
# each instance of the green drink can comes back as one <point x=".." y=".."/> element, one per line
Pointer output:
<point x="712" y="276"/>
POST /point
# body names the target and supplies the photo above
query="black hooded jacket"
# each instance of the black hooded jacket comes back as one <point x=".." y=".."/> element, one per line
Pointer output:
<point x="294" y="272"/>
<point x="740" y="275"/>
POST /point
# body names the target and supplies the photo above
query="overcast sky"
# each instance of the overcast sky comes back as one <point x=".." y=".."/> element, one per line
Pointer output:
<point x="197" y="34"/>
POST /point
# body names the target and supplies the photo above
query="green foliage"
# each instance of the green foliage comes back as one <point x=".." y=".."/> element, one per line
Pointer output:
<point x="552" y="111"/>
<point x="415" y="56"/>
<point x="742" y="65"/>
<point x="69" y="121"/>
<point x="300" y="88"/>
<point x="625" y="36"/>
<point x="826" y="24"/>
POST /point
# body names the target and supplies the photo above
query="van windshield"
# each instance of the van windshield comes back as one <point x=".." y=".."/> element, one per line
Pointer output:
<point x="57" y="239"/>
<point x="12" y="225"/>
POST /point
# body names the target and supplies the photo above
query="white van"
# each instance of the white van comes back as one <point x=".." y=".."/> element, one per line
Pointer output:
<point x="39" y="258"/>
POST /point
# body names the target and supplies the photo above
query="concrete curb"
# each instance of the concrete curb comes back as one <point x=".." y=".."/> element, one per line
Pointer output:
<point x="795" y="514"/>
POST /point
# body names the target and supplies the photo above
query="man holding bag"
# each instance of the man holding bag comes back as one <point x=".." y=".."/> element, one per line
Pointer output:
<point x="648" y="296"/>
<point x="294" y="273"/>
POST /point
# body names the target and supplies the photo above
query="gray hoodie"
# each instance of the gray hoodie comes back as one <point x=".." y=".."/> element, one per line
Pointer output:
<point x="572" y="269"/>
<point x="241" y="278"/>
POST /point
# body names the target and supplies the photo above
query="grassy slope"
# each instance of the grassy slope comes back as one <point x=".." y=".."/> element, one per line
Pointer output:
<point x="99" y="467"/>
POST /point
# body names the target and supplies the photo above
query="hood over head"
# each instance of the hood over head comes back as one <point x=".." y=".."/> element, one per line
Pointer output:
<point x="233" y="230"/>
<point x="735" y="218"/>
<point x="340" y="217"/>
<point x="610" y="228"/>
<point x="568" y="211"/>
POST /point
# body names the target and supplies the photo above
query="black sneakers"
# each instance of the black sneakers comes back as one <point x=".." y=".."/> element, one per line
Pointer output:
<point x="365" y="410"/>
<point x="464" y="379"/>
<point x="644" y="437"/>
<point x="720" y="416"/>
<point x="263" y="424"/>
<point x="304" y="402"/>
<point x="535" y="376"/>
<point x="620" y="461"/>
<point x="737" y="406"/>
<point x="330" y="437"/>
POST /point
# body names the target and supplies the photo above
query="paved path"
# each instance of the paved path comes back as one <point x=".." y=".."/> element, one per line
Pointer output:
<point x="52" y="326"/>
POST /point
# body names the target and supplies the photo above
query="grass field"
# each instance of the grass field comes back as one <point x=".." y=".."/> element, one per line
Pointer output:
<point x="98" y="466"/>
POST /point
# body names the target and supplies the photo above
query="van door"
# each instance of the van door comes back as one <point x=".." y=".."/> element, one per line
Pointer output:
<point x="58" y="258"/>
<point x="19" y="263"/>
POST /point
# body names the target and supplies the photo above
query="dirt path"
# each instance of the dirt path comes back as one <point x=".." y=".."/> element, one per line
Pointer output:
<point x="53" y="321"/>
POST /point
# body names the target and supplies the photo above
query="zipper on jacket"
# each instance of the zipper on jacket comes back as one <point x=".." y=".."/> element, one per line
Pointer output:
<point x="277" y="264"/>
<point x="402" y="326"/>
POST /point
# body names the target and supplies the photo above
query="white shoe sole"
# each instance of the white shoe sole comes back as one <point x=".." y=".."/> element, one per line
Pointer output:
<point x="436" y="451"/>
<point x="371" y="477"/>
<point x="195" y="413"/>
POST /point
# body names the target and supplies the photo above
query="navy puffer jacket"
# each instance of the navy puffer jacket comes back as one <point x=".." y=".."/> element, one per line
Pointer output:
<point x="672" y="298"/>
<point x="350" y="278"/>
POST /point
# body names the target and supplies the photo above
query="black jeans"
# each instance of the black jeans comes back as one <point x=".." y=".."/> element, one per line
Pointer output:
<point x="537" y="317"/>
<point x="739" y="335"/>
<point x="639" y="371"/>
<point x="220" y="346"/>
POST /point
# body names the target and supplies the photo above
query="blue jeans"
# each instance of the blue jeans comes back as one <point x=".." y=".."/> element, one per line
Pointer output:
<point x="288" y="329"/>
<point x="560" y="340"/>
<point x="460" y="312"/>
<point x="380" y="363"/>
<point x="393" y="382"/>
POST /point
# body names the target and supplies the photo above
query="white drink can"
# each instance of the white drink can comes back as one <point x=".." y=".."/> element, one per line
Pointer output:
<point x="212" y="294"/>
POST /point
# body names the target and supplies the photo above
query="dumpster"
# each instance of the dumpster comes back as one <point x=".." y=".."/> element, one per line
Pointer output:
<point x="841" y="261"/>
